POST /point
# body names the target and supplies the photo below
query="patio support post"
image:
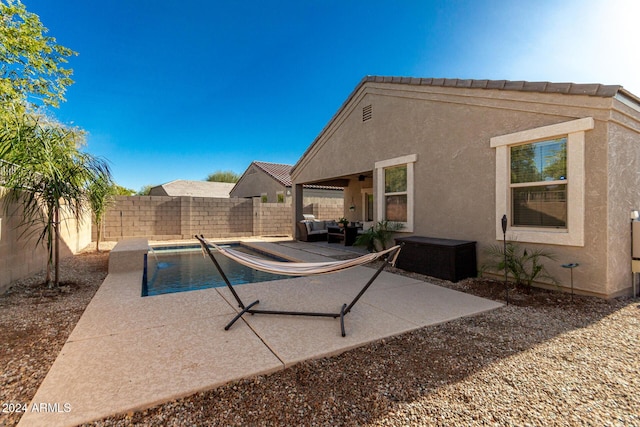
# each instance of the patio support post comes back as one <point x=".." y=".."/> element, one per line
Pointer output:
<point x="297" y="208"/>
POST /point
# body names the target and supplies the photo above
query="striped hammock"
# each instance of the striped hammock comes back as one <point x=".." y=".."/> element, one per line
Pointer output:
<point x="300" y="268"/>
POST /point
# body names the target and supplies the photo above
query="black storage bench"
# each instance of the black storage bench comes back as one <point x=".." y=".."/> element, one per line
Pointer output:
<point x="447" y="259"/>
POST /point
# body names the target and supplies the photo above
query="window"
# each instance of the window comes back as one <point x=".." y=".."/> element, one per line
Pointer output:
<point x="394" y="190"/>
<point x="540" y="183"/>
<point x="395" y="193"/>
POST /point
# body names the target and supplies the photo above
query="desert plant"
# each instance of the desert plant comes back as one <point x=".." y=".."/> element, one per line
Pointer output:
<point x="522" y="265"/>
<point x="101" y="192"/>
<point x="377" y="237"/>
<point x="51" y="174"/>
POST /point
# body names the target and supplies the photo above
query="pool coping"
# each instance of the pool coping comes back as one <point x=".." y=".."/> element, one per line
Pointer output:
<point x="129" y="352"/>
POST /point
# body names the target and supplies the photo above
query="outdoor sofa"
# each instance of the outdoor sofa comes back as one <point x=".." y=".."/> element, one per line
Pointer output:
<point x="313" y="230"/>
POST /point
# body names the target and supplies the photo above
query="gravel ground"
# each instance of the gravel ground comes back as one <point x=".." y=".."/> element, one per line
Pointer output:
<point x="36" y="321"/>
<point x="543" y="360"/>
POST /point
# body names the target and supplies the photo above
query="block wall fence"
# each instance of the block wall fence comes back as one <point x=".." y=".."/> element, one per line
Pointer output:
<point x="20" y="254"/>
<point x="154" y="218"/>
<point x="323" y="208"/>
<point x="166" y="217"/>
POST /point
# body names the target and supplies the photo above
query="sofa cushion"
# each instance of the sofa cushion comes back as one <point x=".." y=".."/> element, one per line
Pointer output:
<point x="318" y="225"/>
<point x="317" y="232"/>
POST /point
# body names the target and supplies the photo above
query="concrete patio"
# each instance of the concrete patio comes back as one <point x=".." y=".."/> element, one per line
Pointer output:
<point x="129" y="352"/>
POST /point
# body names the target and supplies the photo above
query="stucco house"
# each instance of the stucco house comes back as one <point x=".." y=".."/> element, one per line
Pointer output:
<point x="272" y="183"/>
<point x="448" y="158"/>
<point x="182" y="187"/>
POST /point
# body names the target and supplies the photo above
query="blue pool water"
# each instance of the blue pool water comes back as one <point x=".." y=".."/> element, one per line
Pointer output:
<point x="171" y="270"/>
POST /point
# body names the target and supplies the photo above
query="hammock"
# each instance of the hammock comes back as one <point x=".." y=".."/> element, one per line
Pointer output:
<point x="295" y="269"/>
<point x="299" y="268"/>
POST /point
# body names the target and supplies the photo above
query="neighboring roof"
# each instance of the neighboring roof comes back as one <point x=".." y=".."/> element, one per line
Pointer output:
<point x="589" y="89"/>
<point x="282" y="174"/>
<point x="278" y="171"/>
<point x="183" y="187"/>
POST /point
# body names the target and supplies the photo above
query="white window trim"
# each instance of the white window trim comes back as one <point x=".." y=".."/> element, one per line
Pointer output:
<point x="379" y="198"/>
<point x="573" y="235"/>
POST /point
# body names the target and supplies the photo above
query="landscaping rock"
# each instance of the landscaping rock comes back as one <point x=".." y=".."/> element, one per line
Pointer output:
<point x="541" y="360"/>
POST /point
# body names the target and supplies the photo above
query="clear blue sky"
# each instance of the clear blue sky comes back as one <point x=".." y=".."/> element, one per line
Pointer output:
<point x="179" y="89"/>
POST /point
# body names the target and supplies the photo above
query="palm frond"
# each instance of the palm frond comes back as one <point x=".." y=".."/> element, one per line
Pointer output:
<point x="50" y="174"/>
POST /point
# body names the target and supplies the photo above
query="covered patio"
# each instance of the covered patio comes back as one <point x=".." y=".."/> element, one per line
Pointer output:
<point x="358" y="197"/>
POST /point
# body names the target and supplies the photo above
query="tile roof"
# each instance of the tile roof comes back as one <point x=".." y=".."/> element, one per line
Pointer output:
<point x="282" y="174"/>
<point x="591" y="89"/>
<point x="278" y="171"/>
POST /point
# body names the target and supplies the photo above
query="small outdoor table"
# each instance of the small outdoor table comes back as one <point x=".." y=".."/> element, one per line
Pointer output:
<point x="347" y="235"/>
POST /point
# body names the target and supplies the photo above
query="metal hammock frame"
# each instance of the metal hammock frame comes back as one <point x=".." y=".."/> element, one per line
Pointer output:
<point x="296" y="269"/>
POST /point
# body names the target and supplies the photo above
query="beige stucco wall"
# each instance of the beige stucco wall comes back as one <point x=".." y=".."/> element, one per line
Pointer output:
<point x="353" y="194"/>
<point x="623" y="187"/>
<point x="449" y="130"/>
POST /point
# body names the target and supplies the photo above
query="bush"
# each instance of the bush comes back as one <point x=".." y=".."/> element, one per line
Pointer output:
<point x="377" y="237"/>
<point x="522" y="265"/>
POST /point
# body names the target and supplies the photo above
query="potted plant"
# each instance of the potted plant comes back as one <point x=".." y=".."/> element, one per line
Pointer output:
<point x="342" y="222"/>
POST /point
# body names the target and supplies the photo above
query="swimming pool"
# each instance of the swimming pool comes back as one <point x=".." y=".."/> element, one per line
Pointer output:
<point x="181" y="269"/>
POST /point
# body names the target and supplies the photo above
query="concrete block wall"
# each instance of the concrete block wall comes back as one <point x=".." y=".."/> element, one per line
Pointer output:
<point x="142" y="216"/>
<point x="74" y="233"/>
<point x="20" y="254"/>
<point x="215" y="218"/>
<point x="272" y="219"/>
<point x="325" y="210"/>
<point x="167" y="218"/>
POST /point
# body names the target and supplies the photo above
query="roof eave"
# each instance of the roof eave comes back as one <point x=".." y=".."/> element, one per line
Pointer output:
<point x="598" y="90"/>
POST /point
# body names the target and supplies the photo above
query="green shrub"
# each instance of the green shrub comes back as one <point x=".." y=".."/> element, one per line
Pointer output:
<point x="379" y="236"/>
<point x="522" y="265"/>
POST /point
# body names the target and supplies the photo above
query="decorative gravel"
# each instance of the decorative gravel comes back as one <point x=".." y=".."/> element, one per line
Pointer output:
<point x="543" y="360"/>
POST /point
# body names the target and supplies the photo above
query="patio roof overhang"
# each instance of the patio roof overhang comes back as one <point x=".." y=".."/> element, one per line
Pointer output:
<point x="341" y="181"/>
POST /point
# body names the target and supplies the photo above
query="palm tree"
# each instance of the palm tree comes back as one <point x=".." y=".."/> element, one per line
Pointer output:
<point x="100" y="192"/>
<point x="52" y="175"/>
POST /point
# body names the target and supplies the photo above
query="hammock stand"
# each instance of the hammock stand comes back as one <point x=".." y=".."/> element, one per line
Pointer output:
<point x="296" y="269"/>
